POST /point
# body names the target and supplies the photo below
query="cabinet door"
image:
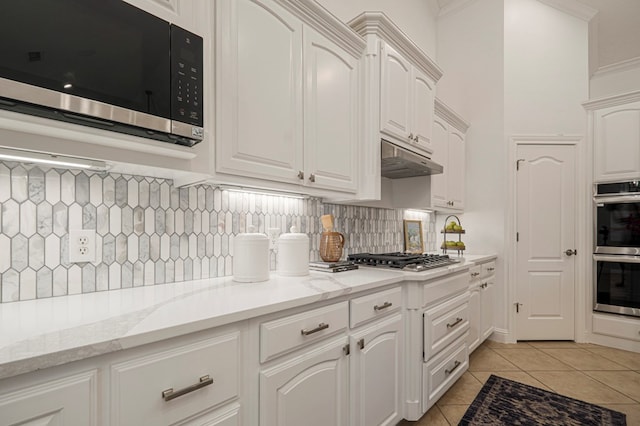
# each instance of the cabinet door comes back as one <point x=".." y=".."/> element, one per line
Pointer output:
<point x="456" y="170"/>
<point x="440" y="144"/>
<point x="487" y="296"/>
<point x="423" y="104"/>
<point x="65" y="402"/>
<point x="395" y="97"/>
<point x="376" y="373"/>
<point x="310" y="389"/>
<point x="330" y="114"/>
<point x="617" y="143"/>
<point x="258" y="83"/>
<point x="473" y="340"/>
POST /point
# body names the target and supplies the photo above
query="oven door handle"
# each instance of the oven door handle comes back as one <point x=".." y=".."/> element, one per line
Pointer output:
<point x="616" y="258"/>
<point x="612" y="199"/>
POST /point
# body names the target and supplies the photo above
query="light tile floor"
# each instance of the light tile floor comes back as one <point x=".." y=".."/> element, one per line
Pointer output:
<point x="600" y="375"/>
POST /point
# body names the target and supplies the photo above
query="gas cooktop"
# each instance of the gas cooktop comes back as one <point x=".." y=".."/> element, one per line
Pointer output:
<point x="404" y="261"/>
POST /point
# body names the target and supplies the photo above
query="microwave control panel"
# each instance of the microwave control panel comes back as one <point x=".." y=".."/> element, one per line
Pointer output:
<point x="186" y="85"/>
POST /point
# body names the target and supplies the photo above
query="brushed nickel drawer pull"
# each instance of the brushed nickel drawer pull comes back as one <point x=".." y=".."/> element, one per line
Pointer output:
<point x="385" y="305"/>
<point x="320" y="327"/>
<point x="475" y="274"/>
<point x="455" y="365"/>
<point x="458" y="321"/>
<point x="491" y="269"/>
<point x="170" y="394"/>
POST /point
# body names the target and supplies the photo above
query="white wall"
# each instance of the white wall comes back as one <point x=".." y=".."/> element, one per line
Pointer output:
<point x="470" y="53"/>
<point x="416" y="18"/>
<point x="545" y="68"/>
<point x="515" y="67"/>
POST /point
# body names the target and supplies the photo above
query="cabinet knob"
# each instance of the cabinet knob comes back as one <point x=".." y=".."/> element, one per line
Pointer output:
<point x="417" y="139"/>
<point x="312" y="177"/>
<point x="411" y="136"/>
<point x="300" y="175"/>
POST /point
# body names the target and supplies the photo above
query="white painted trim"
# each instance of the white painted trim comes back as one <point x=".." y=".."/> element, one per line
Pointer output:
<point x="454" y="6"/>
<point x="626" y="65"/>
<point x="573" y="8"/>
<point x="582" y="198"/>
<point x="322" y="21"/>
<point x="377" y="23"/>
<point x="610" y="101"/>
<point x="445" y="112"/>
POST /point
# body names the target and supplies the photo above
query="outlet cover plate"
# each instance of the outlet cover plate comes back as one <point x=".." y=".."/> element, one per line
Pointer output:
<point x="82" y="245"/>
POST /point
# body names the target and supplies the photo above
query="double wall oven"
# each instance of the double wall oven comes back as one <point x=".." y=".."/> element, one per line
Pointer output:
<point x="617" y="248"/>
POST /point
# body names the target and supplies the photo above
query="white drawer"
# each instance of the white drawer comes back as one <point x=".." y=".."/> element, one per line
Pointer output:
<point x="439" y="374"/>
<point x="285" y="334"/>
<point x="488" y="269"/>
<point x="623" y="327"/>
<point x="443" y="288"/>
<point x="445" y="323"/>
<point x="375" y="305"/>
<point x="140" y="387"/>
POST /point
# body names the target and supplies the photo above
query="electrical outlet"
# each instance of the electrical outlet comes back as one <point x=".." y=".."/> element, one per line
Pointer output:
<point x="273" y="233"/>
<point x="82" y="245"/>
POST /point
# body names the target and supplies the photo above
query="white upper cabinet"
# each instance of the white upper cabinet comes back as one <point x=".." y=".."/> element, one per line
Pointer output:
<point x="259" y="110"/>
<point x="617" y="143"/>
<point x="406" y="100"/>
<point x="330" y="114"/>
<point x="447" y="188"/>
<point x="398" y="95"/>
<point x="287" y="96"/>
<point x="395" y="99"/>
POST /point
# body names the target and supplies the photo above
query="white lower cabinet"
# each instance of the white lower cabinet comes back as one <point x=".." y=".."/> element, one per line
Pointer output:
<point x="310" y="389"/>
<point x="441" y="372"/>
<point x="376" y="373"/>
<point x="67" y="401"/>
<point x="176" y="385"/>
<point x="481" y="301"/>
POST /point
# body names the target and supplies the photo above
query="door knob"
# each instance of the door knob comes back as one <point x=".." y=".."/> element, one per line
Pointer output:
<point x="570" y="252"/>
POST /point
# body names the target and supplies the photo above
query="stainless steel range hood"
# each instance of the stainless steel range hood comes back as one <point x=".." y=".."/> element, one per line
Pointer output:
<point x="398" y="162"/>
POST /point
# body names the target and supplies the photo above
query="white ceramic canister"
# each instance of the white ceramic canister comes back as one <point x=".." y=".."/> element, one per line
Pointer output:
<point x="293" y="254"/>
<point x="250" y="257"/>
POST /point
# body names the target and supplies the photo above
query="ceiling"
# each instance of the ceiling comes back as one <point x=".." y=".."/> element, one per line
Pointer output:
<point x="614" y="27"/>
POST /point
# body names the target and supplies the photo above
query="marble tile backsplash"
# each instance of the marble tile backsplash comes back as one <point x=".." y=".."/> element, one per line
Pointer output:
<point x="148" y="231"/>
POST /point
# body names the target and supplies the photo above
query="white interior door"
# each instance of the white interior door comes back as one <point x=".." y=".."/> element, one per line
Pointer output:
<point x="545" y="213"/>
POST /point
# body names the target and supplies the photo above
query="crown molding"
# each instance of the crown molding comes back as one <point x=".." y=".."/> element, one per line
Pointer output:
<point x="378" y="24"/>
<point x="321" y="20"/>
<point x="445" y="112"/>
<point x="626" y="65"/>
<point x="454" y="6"/>
<point x="572" y="7"/>
<point x="621" y="99"/>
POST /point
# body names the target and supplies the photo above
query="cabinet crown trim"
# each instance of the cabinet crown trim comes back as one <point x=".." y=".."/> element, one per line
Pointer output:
<point x="609" y="101"/>
<point x="377" y="23"/>
<point x="321" y="20"/>
<point x="445" y="112"/>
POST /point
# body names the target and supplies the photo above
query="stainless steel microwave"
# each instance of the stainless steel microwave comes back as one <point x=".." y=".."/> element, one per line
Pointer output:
<point x="102" y="63"/>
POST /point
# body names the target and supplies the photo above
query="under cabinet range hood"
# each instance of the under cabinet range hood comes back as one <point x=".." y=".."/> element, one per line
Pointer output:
<point x="398" y="162"/>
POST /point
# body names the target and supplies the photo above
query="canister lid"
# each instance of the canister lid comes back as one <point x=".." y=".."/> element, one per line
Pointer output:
<point x="293" y="235"/>
<point x="251" y="235"/>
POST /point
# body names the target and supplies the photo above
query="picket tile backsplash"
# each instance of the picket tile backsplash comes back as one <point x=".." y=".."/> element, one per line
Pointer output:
<point x="149" y="231"/>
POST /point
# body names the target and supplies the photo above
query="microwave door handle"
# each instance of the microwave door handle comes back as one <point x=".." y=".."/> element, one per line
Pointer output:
<point x="616" y="258"/>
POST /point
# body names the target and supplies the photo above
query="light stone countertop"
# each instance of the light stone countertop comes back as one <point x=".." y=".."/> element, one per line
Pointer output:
<point x="43" y="333"/>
